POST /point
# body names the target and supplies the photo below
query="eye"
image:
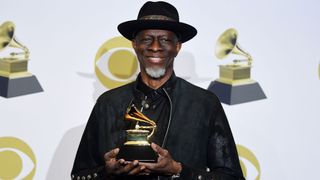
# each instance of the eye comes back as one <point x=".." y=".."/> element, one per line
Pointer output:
<point x="165" y="40"/>
<point x="17" y="160"/>
<point x="249" y="163"/>
<point x="146" y="40"/>
<point x="116" y="63"/>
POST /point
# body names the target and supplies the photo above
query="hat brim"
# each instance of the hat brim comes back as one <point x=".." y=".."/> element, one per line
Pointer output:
<point x="184" y="31"/>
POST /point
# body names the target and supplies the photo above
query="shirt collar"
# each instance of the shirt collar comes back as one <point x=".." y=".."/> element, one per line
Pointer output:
<point x="141" y="89"/>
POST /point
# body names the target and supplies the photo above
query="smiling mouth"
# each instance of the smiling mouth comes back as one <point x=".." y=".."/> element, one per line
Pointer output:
<point x="155" y="59"/>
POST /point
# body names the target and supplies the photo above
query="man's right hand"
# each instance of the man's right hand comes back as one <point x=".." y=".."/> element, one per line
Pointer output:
<point x="121" y="167"/>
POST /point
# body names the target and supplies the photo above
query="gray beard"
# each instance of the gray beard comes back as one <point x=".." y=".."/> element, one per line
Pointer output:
<point x="155" y="72"/>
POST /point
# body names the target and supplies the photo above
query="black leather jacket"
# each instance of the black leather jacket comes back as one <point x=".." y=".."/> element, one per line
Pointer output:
<point x="199" y="135"/>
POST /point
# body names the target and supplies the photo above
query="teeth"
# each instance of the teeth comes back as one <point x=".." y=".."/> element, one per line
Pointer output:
<point x="155" y="59"/>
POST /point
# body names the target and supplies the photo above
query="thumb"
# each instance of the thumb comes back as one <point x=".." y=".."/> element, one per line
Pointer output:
<point x="111" y="154"/>
<point x="158" y="149"/>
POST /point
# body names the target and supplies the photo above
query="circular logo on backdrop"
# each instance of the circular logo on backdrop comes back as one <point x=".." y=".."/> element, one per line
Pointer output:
<point x="116" y="63"/>
<point x="249" y="163"/>
<point x="17" y="160"/>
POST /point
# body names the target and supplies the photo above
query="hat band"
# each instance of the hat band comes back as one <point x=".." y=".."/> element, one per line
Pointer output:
<point x="156" y="17"/>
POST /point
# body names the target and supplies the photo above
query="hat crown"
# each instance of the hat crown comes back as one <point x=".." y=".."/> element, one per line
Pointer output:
<point x="159" y="10"/>
<point x="157" y="15"/>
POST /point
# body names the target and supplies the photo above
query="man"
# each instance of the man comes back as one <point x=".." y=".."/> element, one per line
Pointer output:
<point x="192" y="139"/>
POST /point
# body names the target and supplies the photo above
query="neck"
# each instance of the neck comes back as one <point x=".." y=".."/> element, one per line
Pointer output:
<point x="155" y="83"/>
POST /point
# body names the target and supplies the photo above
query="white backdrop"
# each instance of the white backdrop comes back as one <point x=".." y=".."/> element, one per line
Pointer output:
<point x="64" y="37"/>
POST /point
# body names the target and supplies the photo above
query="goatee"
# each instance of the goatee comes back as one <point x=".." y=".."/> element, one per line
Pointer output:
<point x="155" y="72"/>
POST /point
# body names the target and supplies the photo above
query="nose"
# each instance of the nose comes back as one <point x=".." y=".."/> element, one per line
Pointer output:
<point x="155" y="45"/>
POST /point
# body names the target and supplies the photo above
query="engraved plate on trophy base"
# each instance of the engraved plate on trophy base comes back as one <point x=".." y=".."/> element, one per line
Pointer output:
<point x="140" y="153"/>
<point x="236" y="94"/>
<point x="13" y="66"/>
<point x="234" y="72"/>
<point x="11" y="87"/>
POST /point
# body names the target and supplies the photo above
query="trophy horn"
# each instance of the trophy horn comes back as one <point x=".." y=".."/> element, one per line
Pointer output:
<point x="227" y="44"/>
<point x="134" y="114"/>
<point x="8" y="39"/>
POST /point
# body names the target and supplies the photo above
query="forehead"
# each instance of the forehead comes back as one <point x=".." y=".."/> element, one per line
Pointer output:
<point x="156" y="32"/>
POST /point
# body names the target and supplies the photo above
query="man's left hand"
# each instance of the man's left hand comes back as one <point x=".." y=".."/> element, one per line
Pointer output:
<point x="165" y="165"/>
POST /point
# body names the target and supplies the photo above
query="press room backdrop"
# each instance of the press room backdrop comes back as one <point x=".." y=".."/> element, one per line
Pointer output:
<point x="74" y="46"/>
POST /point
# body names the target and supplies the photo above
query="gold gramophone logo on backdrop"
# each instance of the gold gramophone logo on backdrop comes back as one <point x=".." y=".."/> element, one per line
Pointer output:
<point x="15" y="80"/>
<point x="17" y="160"/>
<point x="234" y="85"/>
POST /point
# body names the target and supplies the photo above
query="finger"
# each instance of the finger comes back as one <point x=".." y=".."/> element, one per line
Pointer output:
<point x="150" y="166"/>
<point x="119" y="164"/>
<point x="155" y="147"/>
<point x="112" y="166"/>
<point x="143" y="171"/>
<point x="148" y="171"/>
<point x="159" y="150"/>
<point x="111" y="154"/>
<point x="127" y="168"/>
<point x="137" y="170"/>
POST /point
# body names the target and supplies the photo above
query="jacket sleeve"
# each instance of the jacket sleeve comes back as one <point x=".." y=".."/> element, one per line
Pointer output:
<point x="89" y="162"/>
<point x="222" y="158"/>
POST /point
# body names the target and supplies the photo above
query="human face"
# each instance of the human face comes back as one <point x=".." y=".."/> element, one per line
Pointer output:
<point x="156" y="50"/>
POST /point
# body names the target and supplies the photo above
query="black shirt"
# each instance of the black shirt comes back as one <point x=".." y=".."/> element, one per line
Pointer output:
<point x="155" y="104"/>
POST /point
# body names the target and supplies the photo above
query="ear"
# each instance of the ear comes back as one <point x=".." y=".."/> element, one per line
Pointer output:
<point x="134" y="44"/>
<point x="178" y="46"/>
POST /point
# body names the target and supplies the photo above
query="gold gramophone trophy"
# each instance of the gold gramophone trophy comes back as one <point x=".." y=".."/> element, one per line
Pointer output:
<point x="137" y="146"/>
<point x="15" y="80"/>
<point x="234" y="85"/>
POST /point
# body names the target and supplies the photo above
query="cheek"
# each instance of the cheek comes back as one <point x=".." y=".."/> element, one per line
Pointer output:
<point x="172" y="50"/>
<point x="139" y="53"/>
<point x="172" y="53"/>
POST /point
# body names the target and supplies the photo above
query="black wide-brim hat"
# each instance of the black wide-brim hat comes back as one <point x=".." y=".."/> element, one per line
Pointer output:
<point x="157" y="15"/>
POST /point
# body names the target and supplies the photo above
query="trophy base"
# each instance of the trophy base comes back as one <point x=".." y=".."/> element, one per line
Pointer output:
<point x="236" y="94"/>
<point x="12" y="87"/>
<point x="140" y="153"/>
